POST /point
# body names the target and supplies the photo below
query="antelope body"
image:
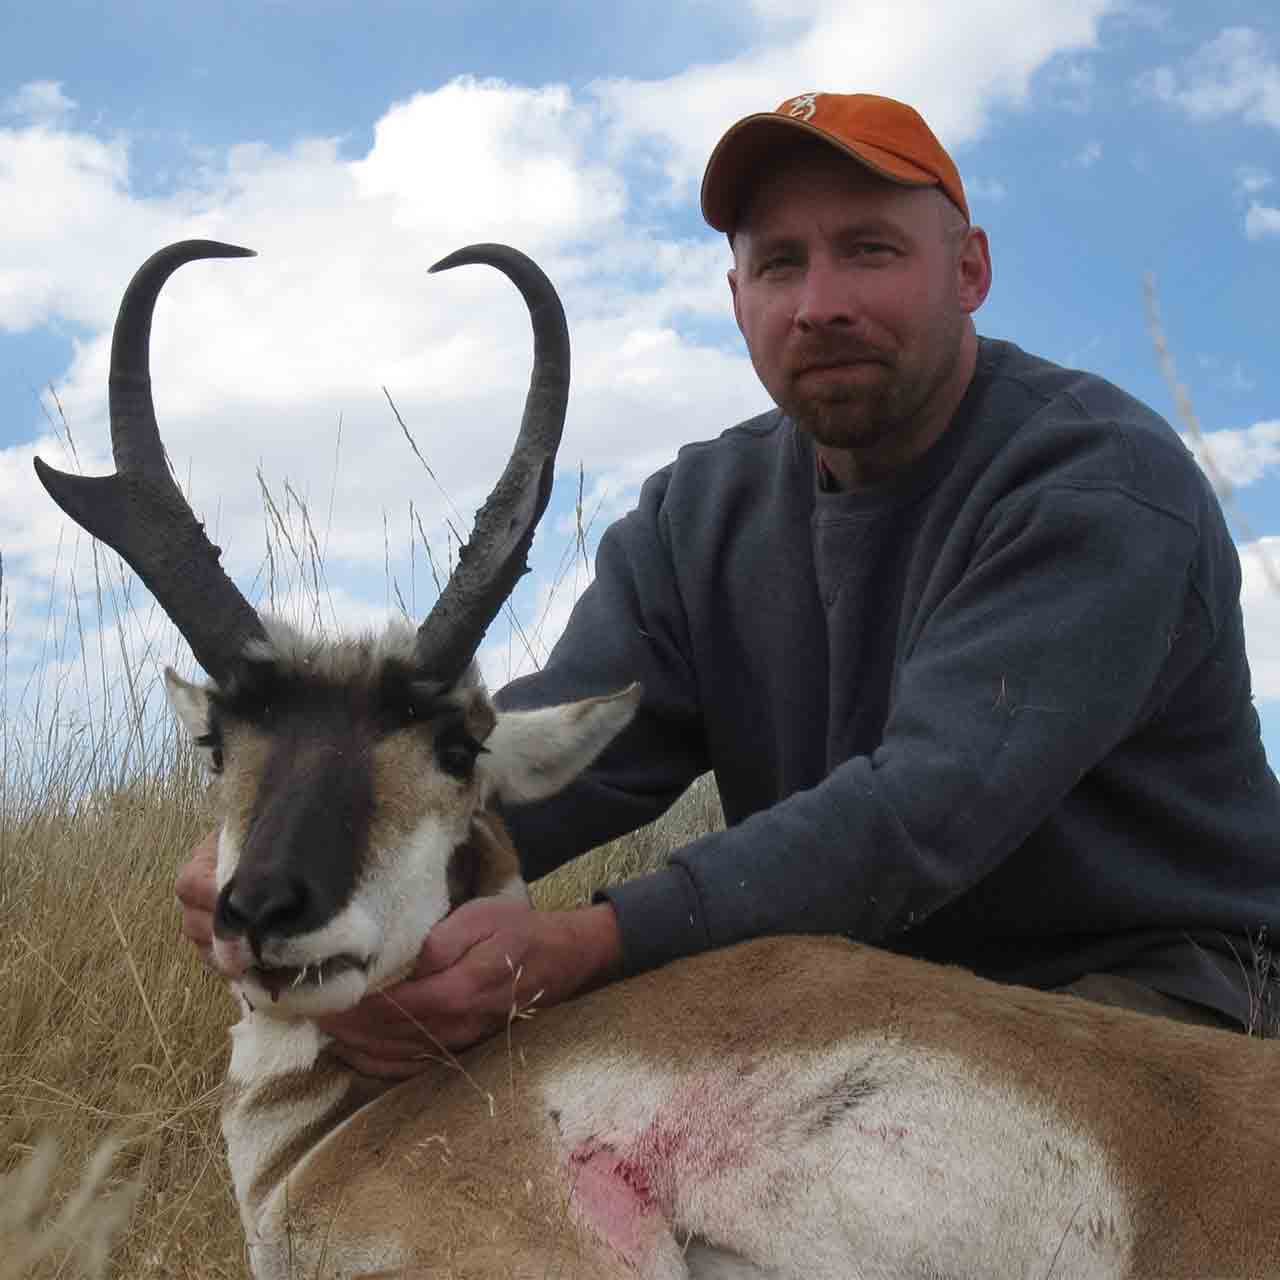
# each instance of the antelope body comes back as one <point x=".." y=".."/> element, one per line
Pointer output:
<point x="792" y="1107"/>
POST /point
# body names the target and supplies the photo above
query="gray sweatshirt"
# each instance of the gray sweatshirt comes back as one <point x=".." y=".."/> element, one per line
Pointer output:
<point x="995" y="713"/>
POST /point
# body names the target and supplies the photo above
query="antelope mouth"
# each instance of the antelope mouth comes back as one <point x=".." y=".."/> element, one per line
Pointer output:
<point x="275" y="980"/>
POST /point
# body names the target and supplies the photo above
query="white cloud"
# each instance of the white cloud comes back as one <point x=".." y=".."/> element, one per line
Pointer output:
<point x="952" y="62"/>
<point x="67" y="209"/>
<point x="511" y="155"/>
<point x="1072" y="84"/>
<point x="1261" y="220"/>
<point x="1233" y="74"/>
<point x="1088" y="155"/>
<point x="39" y="100"/>
<point x="1238" y="457"/>
<point x="1260" y="601"/>
<point x="1250" y="180"/>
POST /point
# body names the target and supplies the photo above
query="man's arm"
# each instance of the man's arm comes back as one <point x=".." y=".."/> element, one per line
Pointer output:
<point x="1074" y="607"/>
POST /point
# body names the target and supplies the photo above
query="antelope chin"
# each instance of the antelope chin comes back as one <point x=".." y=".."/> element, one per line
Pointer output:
<point x="309" y="990"/>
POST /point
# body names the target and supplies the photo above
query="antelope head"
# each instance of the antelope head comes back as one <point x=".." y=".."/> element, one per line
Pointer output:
<point x="351" y="773"/>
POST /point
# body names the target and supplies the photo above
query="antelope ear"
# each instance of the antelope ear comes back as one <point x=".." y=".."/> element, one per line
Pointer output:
<point x="533" y="754"/>
<point x="190" y="703"/>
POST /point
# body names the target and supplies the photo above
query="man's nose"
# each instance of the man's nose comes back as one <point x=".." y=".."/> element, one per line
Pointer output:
<point x="825" y="298"/>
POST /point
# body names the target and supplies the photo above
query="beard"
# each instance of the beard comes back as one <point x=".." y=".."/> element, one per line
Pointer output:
<point x="868" y="397"/>
<point x="851" y="416"/>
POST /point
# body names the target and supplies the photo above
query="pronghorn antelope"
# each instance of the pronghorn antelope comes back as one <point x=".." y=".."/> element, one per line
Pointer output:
<point x="792" y="1107"/>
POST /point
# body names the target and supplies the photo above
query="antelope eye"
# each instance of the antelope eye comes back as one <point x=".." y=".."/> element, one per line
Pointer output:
<point x="213" y="743"/>
<point x="457" y="756"/>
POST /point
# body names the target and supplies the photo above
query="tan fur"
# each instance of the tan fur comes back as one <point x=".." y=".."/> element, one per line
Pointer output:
<point x="409" y="787"/>
<point x="485" y="864"/>
<point x="236" y="791"/>
<point x="1189" y="1117"/>
<point x="293" y="1088"/>
<point x="499" y="864"/>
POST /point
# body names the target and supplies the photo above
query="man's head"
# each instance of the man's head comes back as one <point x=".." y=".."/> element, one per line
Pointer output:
<point x="855" y="271"/>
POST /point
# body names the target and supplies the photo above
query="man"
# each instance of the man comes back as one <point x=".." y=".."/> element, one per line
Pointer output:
<point x="958" y="631"/>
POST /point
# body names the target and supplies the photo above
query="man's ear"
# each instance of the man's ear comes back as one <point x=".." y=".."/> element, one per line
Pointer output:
<point x="974" y="267"/>
<point x="533" y="754"/>
<point x="732" y="277"/>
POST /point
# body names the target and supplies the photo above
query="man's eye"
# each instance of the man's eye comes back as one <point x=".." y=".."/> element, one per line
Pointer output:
<point x="872" y="250"/>
<point x="777" y="264"/>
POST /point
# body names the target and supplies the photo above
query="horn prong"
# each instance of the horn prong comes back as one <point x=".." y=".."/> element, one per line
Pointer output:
<point x="139" y="511"/>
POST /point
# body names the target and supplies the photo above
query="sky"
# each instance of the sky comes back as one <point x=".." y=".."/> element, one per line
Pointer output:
<point x="1102" y="144"/>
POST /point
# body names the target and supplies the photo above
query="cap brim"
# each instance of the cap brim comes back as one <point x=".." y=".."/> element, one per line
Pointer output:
<point x="747" y="146"/>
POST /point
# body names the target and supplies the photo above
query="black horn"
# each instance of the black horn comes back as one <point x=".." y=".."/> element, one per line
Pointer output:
<point x="139" y="511"/>
<point x="494" y="559"/>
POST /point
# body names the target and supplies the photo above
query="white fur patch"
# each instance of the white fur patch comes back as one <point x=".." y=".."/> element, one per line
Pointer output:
<point x="264" y="1047"/>
<point x="261" y="1049"/>
<point x="870" y="1159"/>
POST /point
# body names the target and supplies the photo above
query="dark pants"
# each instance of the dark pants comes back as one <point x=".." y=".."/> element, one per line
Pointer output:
<point x="1125" y="993"/>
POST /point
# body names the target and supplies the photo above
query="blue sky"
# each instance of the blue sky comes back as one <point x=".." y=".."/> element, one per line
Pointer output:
<point x="353" y="145"/>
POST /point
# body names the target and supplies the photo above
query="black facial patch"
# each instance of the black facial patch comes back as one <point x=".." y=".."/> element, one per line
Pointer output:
<point x="308" y="828"/>
<point x="254" y="687"/>
<point x="404" y="699"/>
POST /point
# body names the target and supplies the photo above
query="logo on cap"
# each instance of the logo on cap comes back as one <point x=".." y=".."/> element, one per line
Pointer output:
<point x="803" y="107"/>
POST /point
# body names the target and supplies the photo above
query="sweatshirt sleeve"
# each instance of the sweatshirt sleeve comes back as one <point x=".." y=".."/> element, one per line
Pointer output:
<point x="1075" y="615"/>
<point x="629" y="625"/>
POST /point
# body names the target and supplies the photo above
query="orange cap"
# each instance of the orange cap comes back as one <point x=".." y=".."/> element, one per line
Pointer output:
<point x="887" y="137"/>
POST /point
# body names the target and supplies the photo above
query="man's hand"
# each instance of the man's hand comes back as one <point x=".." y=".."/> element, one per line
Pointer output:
<point x="488" y="958"/>
<point x="197" y="891"/>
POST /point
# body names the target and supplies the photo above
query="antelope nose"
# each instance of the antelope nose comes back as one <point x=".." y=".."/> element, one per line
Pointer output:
<point x="269" y="904"/>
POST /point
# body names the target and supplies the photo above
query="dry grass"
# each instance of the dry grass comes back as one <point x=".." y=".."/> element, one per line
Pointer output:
<point x="85" y="1227"/>
<point x="110" y="1031"/>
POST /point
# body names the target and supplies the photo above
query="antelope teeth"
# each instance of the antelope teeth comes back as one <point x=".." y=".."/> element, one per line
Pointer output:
<point x="277" y="980"/>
